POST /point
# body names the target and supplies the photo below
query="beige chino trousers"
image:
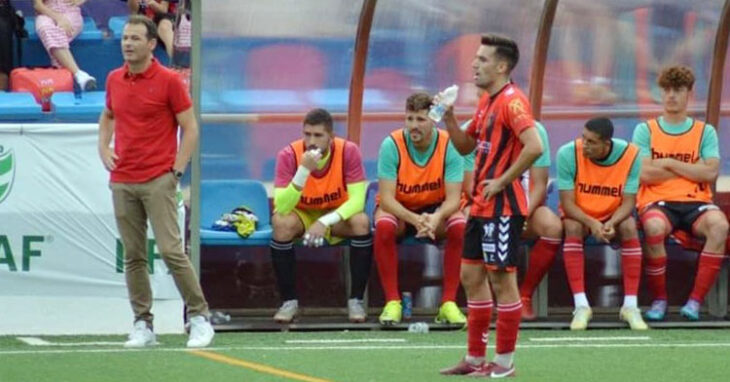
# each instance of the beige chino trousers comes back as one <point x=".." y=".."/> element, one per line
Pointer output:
<point x="134" y="203"/>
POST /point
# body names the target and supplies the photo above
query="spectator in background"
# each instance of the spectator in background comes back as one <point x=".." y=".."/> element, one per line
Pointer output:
<point x="6" y="42"/>
<point x="162" y="12"/>
<point x="57" y="24"/>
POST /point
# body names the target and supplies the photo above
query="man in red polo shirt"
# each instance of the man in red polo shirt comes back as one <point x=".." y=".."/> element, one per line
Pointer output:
<point x="145" y="102"/>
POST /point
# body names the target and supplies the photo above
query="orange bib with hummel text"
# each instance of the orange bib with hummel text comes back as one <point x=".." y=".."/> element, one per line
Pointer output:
<point x="684" y="147"/>
<point x="599" y="189"/>
<point x="417" y="186"/>
<point x="328" y="191"/>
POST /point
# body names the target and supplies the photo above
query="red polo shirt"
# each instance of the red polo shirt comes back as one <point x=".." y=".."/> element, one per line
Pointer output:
<point x="144" y="106"/>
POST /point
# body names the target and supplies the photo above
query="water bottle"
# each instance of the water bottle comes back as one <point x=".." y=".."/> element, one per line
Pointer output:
<point x="407" y="303"/>
<point x="446" y="98"/>
<point x="418" y="327"/>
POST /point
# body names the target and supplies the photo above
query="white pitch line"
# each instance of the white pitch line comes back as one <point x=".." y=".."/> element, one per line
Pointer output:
<point x="588" y="339"/>
<point x="322" y="341"/>
<point x="368" y="347"/>
<point x="35" y="341"/>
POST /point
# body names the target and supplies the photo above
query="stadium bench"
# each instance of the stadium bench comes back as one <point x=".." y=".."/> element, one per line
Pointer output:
<point x="86" y="108"/>
<point x="19" y="106"/>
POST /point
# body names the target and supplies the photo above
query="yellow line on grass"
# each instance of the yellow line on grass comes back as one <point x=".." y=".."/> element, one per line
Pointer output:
<point x="255" y="366"/>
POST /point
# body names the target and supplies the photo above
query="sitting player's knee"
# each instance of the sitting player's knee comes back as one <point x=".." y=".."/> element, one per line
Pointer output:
<point x="627" y="229"/>
<point x="654" y="227"/>
<point x="360" y="224"/>
<point x="284" y="226"/>
<point x="718" y="228"/>
<point x="573" y="228"/>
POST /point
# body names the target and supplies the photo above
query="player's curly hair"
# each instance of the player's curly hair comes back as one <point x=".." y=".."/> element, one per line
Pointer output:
<point x="674" y="77"/>
<point x="419" y="101"/>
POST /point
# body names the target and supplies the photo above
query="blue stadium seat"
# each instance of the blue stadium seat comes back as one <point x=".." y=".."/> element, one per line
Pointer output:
<point x="222" y="196"/>
<point x="267" y="172"/>
<point x="86" y="108"/>
<point x="371" y="169"/>
<point x="553" y="195"/>
<point x="89" y="30"/>
<point x="116" y="25"/>
<point x="19" y="106"/>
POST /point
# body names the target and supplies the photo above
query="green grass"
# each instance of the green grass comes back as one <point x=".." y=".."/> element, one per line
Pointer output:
<point x="667" y="355"/>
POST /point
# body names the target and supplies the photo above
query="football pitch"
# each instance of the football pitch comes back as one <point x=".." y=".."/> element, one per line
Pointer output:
<point x="542" y="355"/>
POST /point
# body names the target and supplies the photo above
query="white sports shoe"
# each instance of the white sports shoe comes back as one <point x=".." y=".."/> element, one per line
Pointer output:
<point x="141" y="336"/>
<point x="86" y="82"/>
<point x="287" y="312"/>
<point x="356" y="310"/>
<point x="201" y="332"/>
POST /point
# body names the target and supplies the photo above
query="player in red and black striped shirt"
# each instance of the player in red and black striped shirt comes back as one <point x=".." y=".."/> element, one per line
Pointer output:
<point x="507" y="143"/>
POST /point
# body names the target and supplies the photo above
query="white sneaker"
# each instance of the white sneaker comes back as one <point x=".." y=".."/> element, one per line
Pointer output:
<point x="287" y="311"/>
<point x="201" y="332"/>
<point x="356" y="310"/>
<point x="140" y="336"/>
<point x="86" y="82"/>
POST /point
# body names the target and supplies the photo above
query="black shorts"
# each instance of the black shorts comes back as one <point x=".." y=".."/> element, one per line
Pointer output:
<point x="682" y="215"/>
<point x="496" y="241"/>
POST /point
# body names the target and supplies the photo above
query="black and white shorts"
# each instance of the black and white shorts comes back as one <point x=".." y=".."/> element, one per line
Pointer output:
<point x="495" y="241"/>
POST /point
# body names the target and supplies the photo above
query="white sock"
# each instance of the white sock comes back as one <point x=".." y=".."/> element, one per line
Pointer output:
<point x="630" y="301"/>
<point x="580" y="299"/>
<point x="474" y="360"/>
<point x="504" y="360"/>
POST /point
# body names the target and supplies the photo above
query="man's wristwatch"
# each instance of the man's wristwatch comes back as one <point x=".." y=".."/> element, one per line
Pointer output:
<point x="178" y="174"/>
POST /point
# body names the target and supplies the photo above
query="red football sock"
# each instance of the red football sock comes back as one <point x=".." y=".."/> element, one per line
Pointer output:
<point x="574" y="268"/>
<point x="508" y="326"/>
<point x="386" y="256"/>
<point x="656" y="277"/>
<point x="452" y="257"/>
<point x="541" y="258"/>
<point x="707" y="270"/>
<point x="479" y="316"/>
<point x="631" y="266"/>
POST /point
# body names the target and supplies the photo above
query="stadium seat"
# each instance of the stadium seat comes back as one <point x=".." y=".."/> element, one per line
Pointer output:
<point x="371" y="169"/>
<point x="86" y="108"/>
<point x="116" y="25"/>
<point x="19" y="106"/>
<point x="268" y="170"/>
<point x="222" y="196"/>
<point x="89" y="30"/>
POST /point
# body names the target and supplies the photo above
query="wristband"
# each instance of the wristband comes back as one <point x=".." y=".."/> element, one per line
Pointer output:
<point x="300" y="178"/>
<point x="330" y="219"/>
